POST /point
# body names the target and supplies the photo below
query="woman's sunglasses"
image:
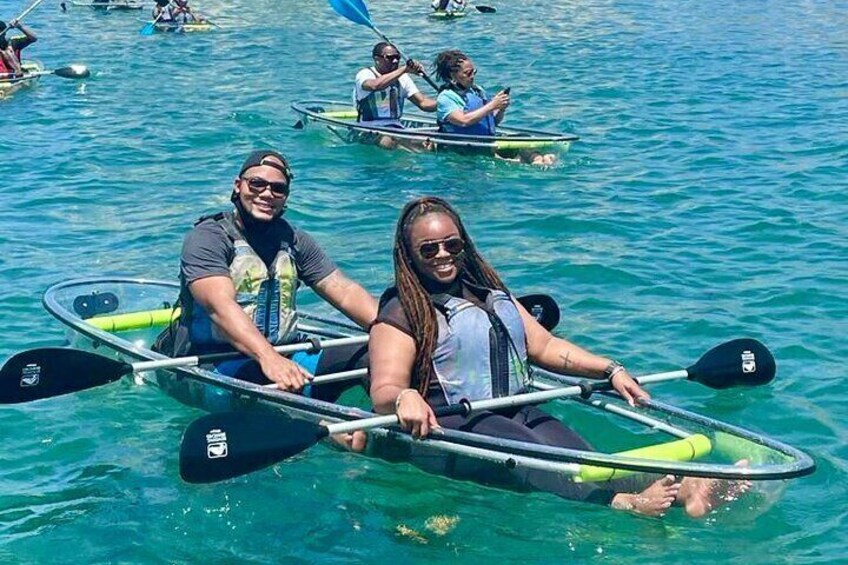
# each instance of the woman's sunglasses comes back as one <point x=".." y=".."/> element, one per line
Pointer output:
<point x="258" y="185"/>
<point x="453" y="245"/>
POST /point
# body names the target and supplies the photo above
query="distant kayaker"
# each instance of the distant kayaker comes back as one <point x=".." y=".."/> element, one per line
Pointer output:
<point x="10" y="49"/>
<point x="465" y="108"/>
<point x="450" y="330"/>
<point x="183" y="14"/>
<point x="380" y="91"/>
<point x="449" y="6"/>
<point x="163" y="12"/>
<point x="239" y="274"/>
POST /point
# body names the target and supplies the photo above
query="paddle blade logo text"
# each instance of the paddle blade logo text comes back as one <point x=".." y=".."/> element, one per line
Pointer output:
<point x="216" y="444"/>
<point x="749" y="364"/>
<point x="30" y="375"/>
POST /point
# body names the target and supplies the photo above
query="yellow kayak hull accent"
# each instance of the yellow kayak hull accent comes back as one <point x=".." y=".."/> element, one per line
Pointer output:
<point x="686" y="449"/>
<point x="135" y="320"/>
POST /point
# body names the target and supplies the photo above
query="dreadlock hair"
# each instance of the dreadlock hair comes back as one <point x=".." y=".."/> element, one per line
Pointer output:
<point x="414" y="298"/>
<point x="447" y="62"/>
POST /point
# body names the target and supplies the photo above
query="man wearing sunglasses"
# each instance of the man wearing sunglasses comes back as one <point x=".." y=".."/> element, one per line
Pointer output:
<point x="381" y="90"/>
<point x="239" y="274"/>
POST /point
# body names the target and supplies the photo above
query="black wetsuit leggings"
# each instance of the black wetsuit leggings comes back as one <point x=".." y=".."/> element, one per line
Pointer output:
<point x="530" y="424"/>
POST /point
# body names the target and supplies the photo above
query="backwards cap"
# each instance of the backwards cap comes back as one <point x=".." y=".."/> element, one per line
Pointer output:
<point x="260" y="157"/>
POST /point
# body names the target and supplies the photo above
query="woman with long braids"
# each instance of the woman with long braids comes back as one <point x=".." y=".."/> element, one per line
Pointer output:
<point x="450" y="330"/>
<point x="463" y="107"/>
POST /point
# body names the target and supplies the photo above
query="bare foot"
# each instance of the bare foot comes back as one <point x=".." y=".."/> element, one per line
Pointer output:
<point x="543" y="160"/>
<point x="653" y="501"/>
<point x="698" y="496"/>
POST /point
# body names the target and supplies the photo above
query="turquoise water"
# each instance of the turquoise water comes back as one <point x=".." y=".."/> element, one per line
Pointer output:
<point x="706" y="200"/>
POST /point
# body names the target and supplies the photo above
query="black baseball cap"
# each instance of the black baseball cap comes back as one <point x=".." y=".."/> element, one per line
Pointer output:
<point x="260" y="157"/>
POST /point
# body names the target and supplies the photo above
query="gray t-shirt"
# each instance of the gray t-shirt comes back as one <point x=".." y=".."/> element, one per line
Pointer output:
<point x="208" y="251"/>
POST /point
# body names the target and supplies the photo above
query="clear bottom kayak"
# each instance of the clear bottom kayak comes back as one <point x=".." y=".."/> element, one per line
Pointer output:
<point x="122" y="317"/>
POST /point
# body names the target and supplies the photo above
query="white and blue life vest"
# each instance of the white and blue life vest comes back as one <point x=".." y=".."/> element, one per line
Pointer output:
<point x="368" y="108"/>
<point x="267" y="295"/>
<point x="481" y="352"/>
<point x="474" y="99"/>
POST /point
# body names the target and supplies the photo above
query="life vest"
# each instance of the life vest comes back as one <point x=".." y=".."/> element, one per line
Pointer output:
<point x="7" y="69"/>
<point x="368" y="109"/>
<point x="481" y="351"/>
<point x="267" y="295"/>
<point x="474" y="100"/>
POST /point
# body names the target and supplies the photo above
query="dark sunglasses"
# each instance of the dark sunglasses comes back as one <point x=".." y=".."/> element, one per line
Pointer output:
<point x="258" y="185"/>
<point x="395" y="57"/>
<point x="453" y="245"/>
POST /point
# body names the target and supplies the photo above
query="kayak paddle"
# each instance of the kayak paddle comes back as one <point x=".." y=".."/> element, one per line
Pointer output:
<point x="357" y="12"/>
<point x="220" y="446"/>
<point x="53" y="371"/>
<point x="72" y="71"/>
<point x="485" y="9"/>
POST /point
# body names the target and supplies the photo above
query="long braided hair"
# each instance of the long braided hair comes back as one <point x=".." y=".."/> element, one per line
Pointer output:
<point x="448" y="62"/>
<point x="414" y="298"/>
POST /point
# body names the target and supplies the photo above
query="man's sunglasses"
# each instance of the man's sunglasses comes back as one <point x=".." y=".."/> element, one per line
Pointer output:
<point x="453" y="245"/>
<point x="258" y="185"/>
<point x="394" y="57"/>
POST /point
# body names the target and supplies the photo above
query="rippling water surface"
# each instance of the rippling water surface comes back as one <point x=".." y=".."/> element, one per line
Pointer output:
<point x="706" y="200"/>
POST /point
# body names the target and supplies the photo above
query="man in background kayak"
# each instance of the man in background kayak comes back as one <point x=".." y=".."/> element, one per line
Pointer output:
<point x="381" y="90"/>
<point x="10" y="49"/>
<point x="239" y="274"/>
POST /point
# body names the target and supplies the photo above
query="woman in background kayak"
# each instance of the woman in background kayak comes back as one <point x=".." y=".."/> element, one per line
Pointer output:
<point x="10" y="49"/>
<point x="450" y="330"/>
<point x="465" y="108"/>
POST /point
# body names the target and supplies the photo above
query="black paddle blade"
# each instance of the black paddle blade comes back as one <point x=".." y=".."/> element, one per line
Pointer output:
<point x="74" y="71"/>
<point x="54" y="371"/>
<point x="228" y="444"/>
<point x="543" y="308"/>
<point x="486" y="9"/>
<point x="740" y="362"/>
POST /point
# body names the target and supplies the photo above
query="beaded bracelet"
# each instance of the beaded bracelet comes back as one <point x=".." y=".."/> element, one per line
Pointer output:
<point x="612" y="370"/>
<point x="400" y="395"/>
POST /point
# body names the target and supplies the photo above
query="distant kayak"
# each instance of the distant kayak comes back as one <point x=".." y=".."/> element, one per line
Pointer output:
<point x="188" y="27"/>
<point x="444" y="15"/>
<point x="112" y="5"/>
<point x="32" y="72"/>
<point x="341" y="119"/>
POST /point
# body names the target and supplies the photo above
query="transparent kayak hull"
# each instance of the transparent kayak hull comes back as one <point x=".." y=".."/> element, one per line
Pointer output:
<point x="133" y="312"/>
<point x="422" y="131"/>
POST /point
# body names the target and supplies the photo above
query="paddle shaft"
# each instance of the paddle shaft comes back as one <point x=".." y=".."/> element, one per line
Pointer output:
<point x="505" y="402"/>
<point x="26" y="12"/>
<point x="192" y="361"/>
<point x="424" y="75"/>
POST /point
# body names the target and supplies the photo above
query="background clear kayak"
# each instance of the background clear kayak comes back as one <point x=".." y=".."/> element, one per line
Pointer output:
<point x="422" y="132"/>
<point x="32" y="72"/>
<point x="110" y="5"/>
